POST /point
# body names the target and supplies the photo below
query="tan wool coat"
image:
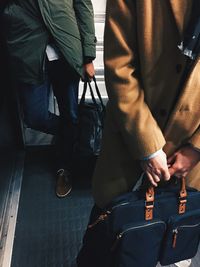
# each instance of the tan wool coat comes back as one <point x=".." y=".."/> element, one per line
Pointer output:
<point x="149" y="106"/>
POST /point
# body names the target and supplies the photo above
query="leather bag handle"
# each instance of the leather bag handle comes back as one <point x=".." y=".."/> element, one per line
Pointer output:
<point x="150" y="197"/>
<point x="182" y="197"/>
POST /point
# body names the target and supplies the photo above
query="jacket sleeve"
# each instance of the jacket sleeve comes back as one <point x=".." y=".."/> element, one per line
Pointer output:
<point x="85" y="19"/>
<point x="129" y="111"/>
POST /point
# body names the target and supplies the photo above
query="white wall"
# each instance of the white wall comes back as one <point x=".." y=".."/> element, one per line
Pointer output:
<point x="99" y="6"/>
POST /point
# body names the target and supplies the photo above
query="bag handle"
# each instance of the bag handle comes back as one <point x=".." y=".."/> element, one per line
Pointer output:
<point x="86" y="83"/>
<point x="150" y="197"/>
<point x="98" y="92"/>
<point x="82" y="101"/>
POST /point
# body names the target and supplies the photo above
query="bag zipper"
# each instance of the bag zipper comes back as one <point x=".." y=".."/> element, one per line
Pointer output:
<point x="105" y="215"/>
<point x="119" y="205"/>
<point x="120" y="235"/>
<point x="176" y="231"/>
<point x="101" y="218"/>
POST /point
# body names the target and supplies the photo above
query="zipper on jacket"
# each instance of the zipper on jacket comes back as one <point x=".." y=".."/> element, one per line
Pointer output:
<point x="120" y="235"/>
<point x="176" y="231"/>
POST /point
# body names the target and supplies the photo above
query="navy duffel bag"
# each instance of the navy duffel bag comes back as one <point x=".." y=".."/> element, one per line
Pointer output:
<point x="140" y="228"/>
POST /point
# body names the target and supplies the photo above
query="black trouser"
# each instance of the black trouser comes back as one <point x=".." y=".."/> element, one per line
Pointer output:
<point x="65" y="82"/>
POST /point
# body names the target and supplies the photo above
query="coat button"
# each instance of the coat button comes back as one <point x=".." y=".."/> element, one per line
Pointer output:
<point x="178" y="68"/>
<point x="163" y="112"/>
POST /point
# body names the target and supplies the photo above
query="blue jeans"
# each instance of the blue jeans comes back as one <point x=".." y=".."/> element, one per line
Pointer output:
<point x="35" y="102"/>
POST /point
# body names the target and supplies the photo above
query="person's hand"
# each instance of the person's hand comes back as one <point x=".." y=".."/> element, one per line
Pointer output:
<point x="156" y="168"/>
<point x="89" y="71"/>
<point x="183" y="161"/>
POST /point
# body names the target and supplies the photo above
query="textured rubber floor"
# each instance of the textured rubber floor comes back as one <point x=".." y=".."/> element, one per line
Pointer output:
<point x="49" y="230"/>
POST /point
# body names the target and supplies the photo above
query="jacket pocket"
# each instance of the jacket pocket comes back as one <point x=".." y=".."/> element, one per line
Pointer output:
<point x="138" y="244"/>
<point x="182" y="238"/>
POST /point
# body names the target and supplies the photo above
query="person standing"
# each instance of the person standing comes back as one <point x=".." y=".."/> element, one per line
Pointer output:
<point x="51" y="43"/>
<point x="153" y="114"/>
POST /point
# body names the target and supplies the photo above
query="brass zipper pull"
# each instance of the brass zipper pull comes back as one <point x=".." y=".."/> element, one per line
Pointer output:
<point x="119" y="236"/>
<point x="175" y="234"/>
<point x="101" y="218"/>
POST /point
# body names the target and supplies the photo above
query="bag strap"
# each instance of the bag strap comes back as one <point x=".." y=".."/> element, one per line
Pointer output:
<point x="150" y="197"/>
<point x="98" y="93"/>
<point x="182" y="197"/>
<point x="149" y="203"/>
<point x="86" y="84"/>
<point x="82" y="101"/>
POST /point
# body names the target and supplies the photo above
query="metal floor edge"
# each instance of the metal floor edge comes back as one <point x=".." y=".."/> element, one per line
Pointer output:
<point x="11" y="210"/>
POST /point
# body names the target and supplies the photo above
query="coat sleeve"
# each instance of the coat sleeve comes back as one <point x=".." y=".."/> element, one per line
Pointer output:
<point x="85" y="18"/>
<point x="129" y="111"/>
<point x="195" y="139"/>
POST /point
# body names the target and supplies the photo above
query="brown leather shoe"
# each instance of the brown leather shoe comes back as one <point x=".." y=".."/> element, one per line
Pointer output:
<point x="63" y="184"/>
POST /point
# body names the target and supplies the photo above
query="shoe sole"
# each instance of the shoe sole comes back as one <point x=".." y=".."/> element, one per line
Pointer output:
<point x="67" y="193"/>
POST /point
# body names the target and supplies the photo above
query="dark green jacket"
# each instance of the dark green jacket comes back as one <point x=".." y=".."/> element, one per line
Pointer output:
<point x="30" y="24"/>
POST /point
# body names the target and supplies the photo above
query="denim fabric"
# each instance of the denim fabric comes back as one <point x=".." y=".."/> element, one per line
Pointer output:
<point x="35" y="102"/>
